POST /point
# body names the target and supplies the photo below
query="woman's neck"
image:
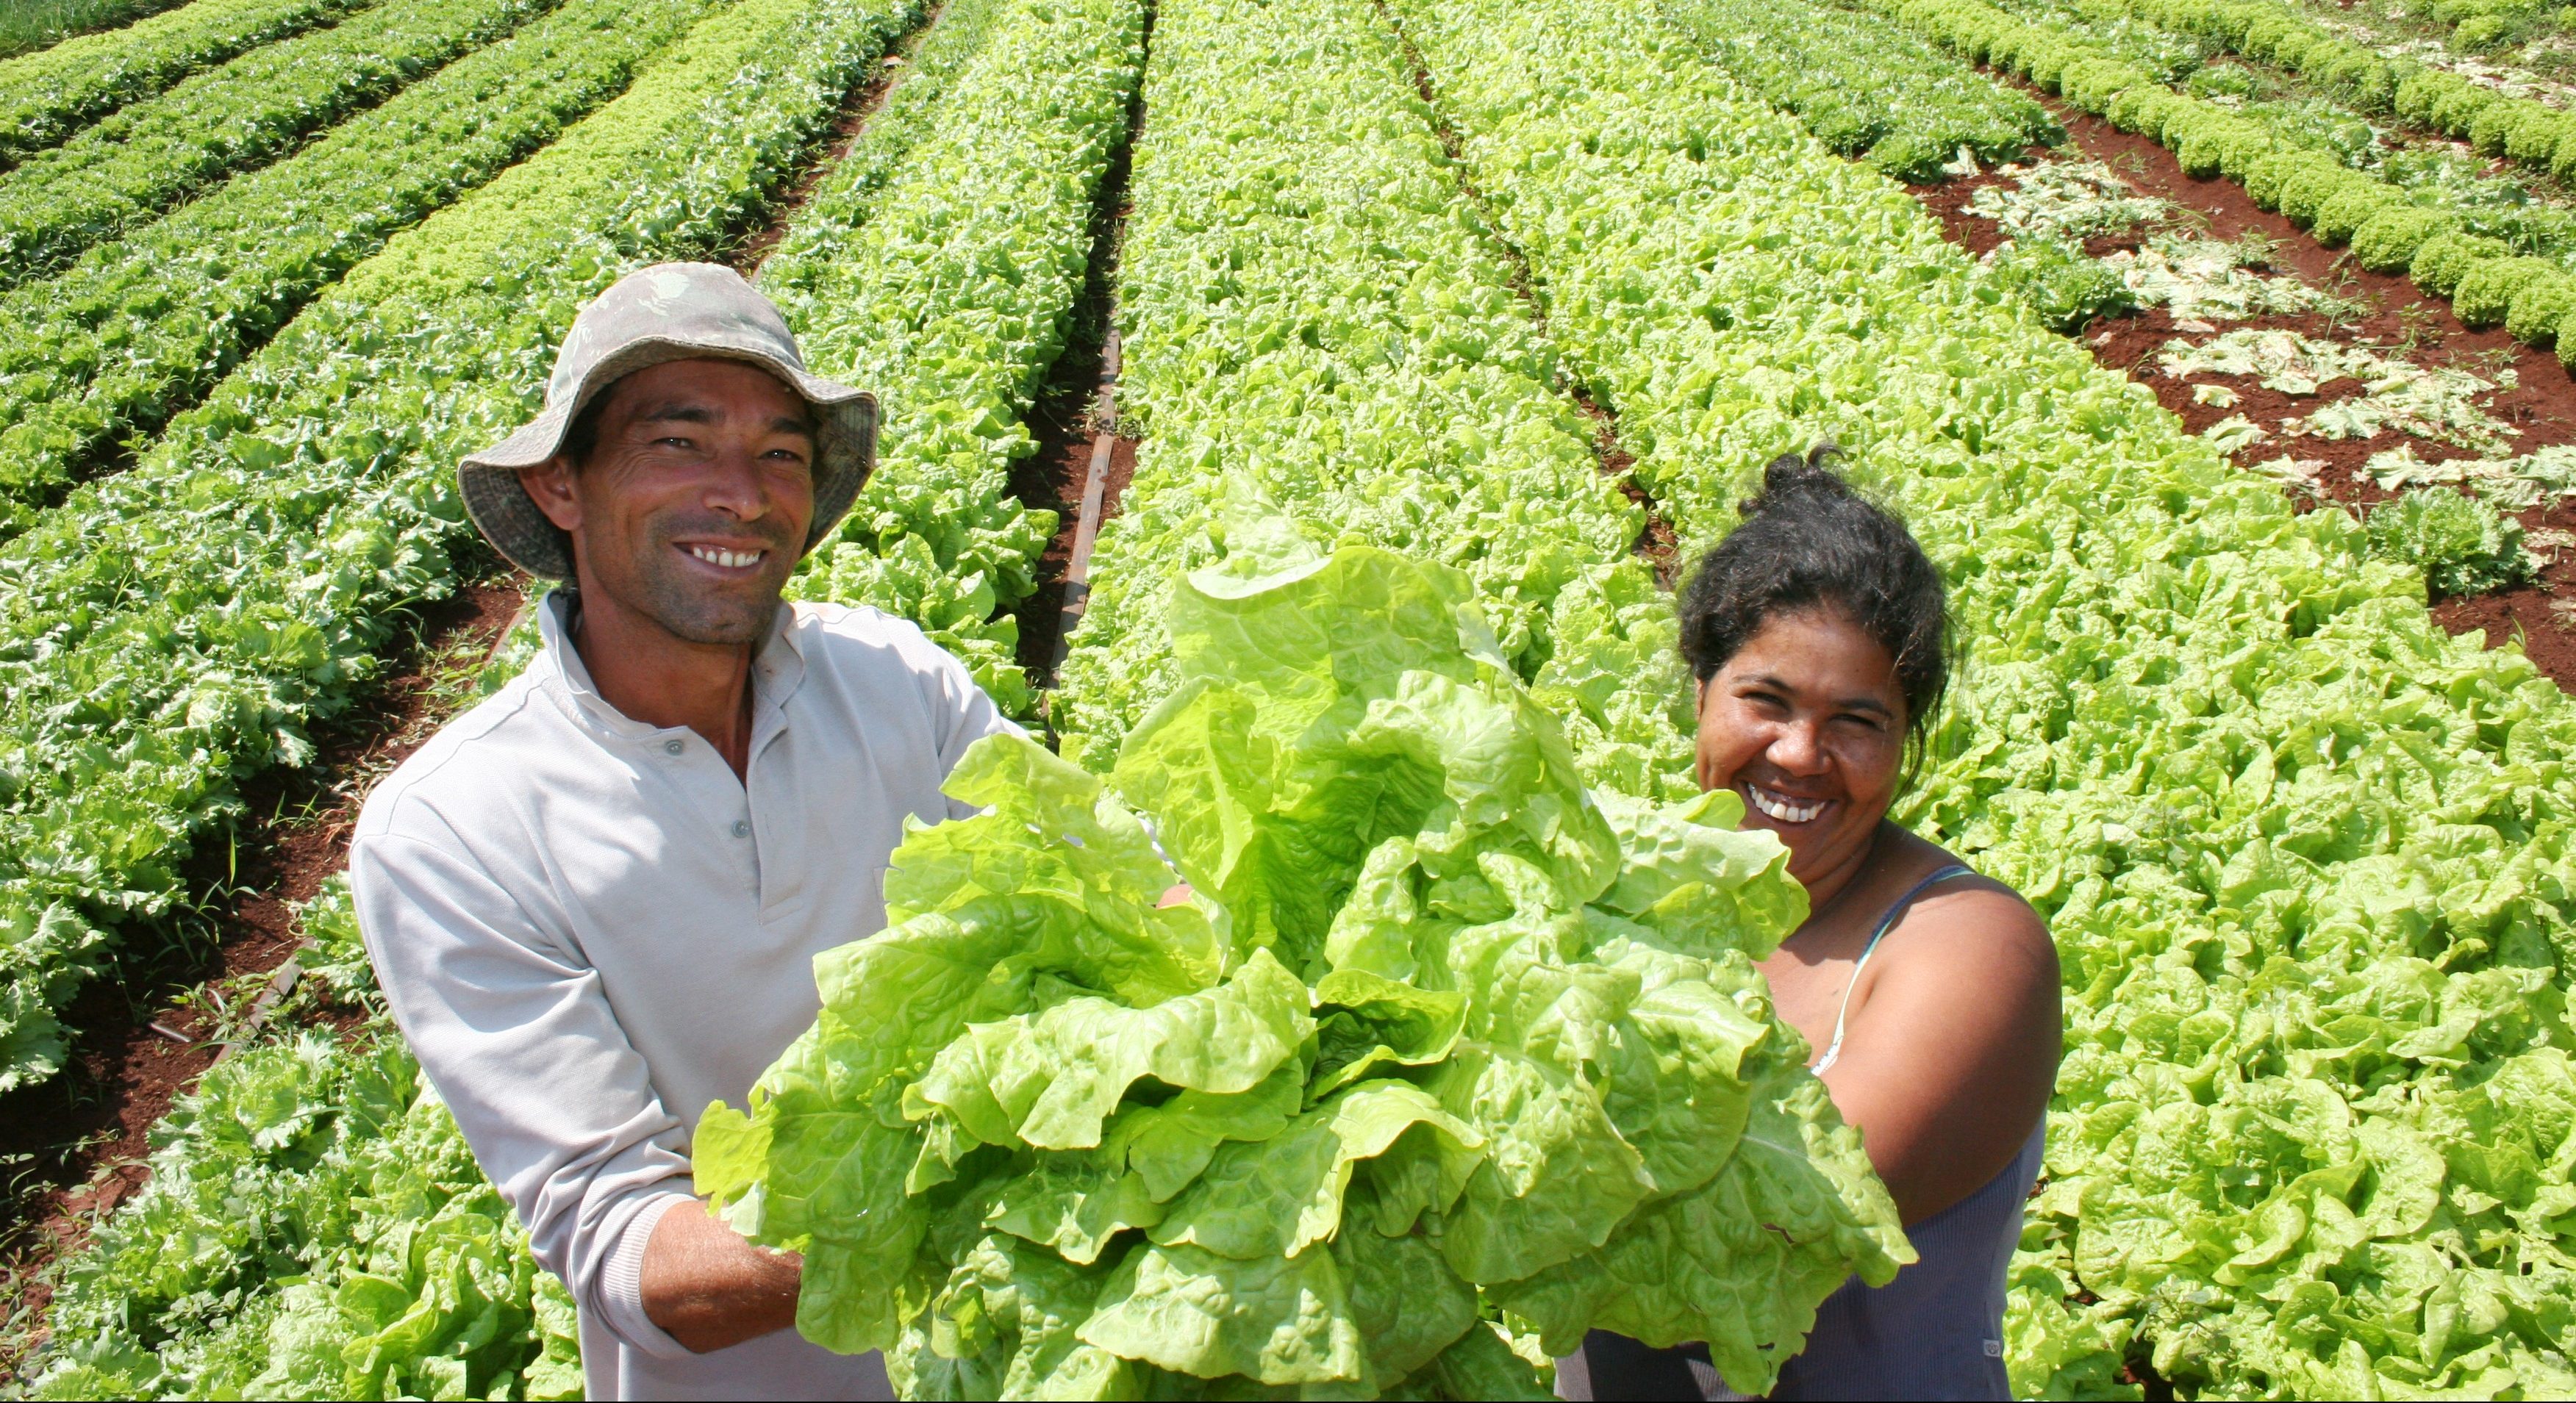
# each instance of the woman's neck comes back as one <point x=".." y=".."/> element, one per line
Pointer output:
<point x="1826" y="889"/>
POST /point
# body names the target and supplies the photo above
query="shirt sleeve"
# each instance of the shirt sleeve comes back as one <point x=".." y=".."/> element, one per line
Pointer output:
<point x="961" y="712"/>
<point x="521" y="1043"/>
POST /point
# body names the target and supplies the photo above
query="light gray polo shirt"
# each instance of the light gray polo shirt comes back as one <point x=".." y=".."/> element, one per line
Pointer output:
<point x="589" y="929"/>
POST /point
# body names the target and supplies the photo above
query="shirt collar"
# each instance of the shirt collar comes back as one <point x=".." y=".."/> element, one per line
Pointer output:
<point x="777" y="671"/>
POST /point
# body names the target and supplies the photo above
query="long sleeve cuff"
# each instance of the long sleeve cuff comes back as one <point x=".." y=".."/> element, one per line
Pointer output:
<point x="621" y="1283"/>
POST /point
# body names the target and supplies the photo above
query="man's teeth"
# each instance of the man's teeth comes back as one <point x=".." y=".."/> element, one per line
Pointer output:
<point x="729" y="559"/>
<point x="1780" y="808"/>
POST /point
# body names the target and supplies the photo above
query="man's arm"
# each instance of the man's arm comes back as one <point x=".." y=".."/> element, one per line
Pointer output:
<point x="708" y="1288"/>
<point x="518" y="1036"/>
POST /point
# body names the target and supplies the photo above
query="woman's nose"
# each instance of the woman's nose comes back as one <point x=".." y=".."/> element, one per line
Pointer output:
<point x="1798" y="750"/>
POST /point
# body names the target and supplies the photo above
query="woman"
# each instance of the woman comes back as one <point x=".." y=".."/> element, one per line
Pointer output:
<point x="1817" y="636"/>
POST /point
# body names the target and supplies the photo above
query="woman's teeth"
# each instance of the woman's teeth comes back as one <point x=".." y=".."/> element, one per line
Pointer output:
<point x="729" y="559"/>
<point x="1780" y="807"/>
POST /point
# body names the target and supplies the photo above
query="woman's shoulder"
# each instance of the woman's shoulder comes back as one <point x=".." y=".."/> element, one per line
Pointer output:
<point x="1966" y="911"/>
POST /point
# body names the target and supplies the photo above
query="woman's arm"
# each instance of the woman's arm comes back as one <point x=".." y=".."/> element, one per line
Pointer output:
<point x="1951" y="1046"/>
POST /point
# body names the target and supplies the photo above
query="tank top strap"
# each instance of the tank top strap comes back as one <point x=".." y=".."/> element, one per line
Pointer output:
<point x="1895" y="909"/>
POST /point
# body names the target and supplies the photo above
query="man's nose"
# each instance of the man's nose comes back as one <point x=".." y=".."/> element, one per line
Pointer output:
<point x="734" y="485"/>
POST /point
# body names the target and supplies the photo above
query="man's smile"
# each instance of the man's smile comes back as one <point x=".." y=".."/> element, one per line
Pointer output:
<point x="727" y="559"/>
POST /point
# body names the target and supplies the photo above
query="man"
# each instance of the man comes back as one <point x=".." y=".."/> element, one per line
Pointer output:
<point x="593" y="900"/>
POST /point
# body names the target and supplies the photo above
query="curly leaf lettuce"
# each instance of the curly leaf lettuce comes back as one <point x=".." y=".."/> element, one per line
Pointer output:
<point x="1440" y="1033"/>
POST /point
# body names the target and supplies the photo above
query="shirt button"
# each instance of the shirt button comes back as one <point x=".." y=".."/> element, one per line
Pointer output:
<point x="675" y="746"/>
<point x="742" y="828"/>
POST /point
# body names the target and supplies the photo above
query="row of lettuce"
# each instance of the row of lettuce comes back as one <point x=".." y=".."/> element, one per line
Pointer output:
<point x="1868" y="87"/>
<point x="2502" y="258"/>
<point x="377" y="1263"/>
<point x="47" y="95"/>
<point x="128" y="167"/>
<point x="140" y="327"/>
<point x="2301" y="851"/>
<point x="2315" y="1079"/>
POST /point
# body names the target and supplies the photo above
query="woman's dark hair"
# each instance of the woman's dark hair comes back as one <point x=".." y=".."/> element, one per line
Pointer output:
<point x="1809" y="541"/>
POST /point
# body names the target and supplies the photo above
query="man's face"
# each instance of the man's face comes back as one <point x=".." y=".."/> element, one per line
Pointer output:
<point x="695" y="500"/>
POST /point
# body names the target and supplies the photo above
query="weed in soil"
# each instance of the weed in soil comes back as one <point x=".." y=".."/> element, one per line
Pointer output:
<point x="2385" y="313"/>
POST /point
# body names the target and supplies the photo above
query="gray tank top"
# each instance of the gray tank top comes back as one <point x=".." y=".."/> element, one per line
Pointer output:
<point x="1936" y="1331"/>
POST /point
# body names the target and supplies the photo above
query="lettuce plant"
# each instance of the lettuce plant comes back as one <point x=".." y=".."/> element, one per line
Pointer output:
<point x="1441" y="1035"/>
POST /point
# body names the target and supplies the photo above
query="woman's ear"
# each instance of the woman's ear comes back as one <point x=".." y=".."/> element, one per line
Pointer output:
<point x="1699" y="696"/>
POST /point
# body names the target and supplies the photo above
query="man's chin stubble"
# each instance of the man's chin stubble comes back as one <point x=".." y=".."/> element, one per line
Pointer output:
<point x="693" y="615"/>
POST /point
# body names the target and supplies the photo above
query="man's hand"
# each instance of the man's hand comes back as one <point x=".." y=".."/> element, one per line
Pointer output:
<point x="708" y="1288"/>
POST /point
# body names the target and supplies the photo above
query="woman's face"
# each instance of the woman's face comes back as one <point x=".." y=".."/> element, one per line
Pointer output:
<point x="1806" y="724"/>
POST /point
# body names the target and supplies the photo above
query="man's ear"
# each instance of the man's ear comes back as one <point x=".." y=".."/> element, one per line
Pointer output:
<point x="550" y="486"/>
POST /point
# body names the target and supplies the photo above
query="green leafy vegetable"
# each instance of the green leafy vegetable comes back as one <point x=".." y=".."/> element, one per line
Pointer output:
<point x="2462" y="543"/>
<point x="1441" y="1033"/>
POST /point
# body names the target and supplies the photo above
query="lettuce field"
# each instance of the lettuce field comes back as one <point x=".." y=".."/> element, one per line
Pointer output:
<point x="2218" y="351"/>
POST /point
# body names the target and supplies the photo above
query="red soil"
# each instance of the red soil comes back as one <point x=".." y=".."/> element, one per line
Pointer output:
<point x="2539" y="410"/>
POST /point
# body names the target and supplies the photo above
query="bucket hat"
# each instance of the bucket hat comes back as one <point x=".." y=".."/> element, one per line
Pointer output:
<point x="668" y="312"/>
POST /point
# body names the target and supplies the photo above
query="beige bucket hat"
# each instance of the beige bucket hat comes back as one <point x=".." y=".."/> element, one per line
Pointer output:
<point x="668" y="312"/>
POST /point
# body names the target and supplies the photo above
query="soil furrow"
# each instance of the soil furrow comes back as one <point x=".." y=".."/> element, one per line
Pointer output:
<point x="1074" y="417"/>
<point x="1656" y="542"/>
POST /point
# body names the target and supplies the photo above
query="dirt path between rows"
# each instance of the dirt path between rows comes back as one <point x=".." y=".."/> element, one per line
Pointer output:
<point x="1067" y="418"/>
<point x="2399" y="322"/>
<point x="143" y="1034"/>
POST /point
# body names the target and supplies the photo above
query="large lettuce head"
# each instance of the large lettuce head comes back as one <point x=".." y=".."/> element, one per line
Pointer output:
<point x="1445" y="1062"/>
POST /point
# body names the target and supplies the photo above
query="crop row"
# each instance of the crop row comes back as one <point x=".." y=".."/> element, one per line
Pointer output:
<point x="1000" y="98"/>
<point x="173" y="628"/>
<point x="1866" y="86"/>
<point x="2344" y="88"/>
<point x="48" y="95"/>
<point x="139" y="328"/>
<point x="2302" y="853"/>
<point x="1318" y="323"/>
<point x="2387" y="226"/>
<point x="2326" y="119"/>
<point x="2524" y="129"/>
<point x="140" y="160"/>
<point x="948" y="284"/>
<point x="314" y="1227"/>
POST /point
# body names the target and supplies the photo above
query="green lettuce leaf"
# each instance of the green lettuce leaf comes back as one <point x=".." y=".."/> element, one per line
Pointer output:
<point x="1440" y="1031"/>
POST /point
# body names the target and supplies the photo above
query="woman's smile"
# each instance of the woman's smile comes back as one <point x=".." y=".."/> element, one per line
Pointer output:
<point x="1783" y="808"/>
